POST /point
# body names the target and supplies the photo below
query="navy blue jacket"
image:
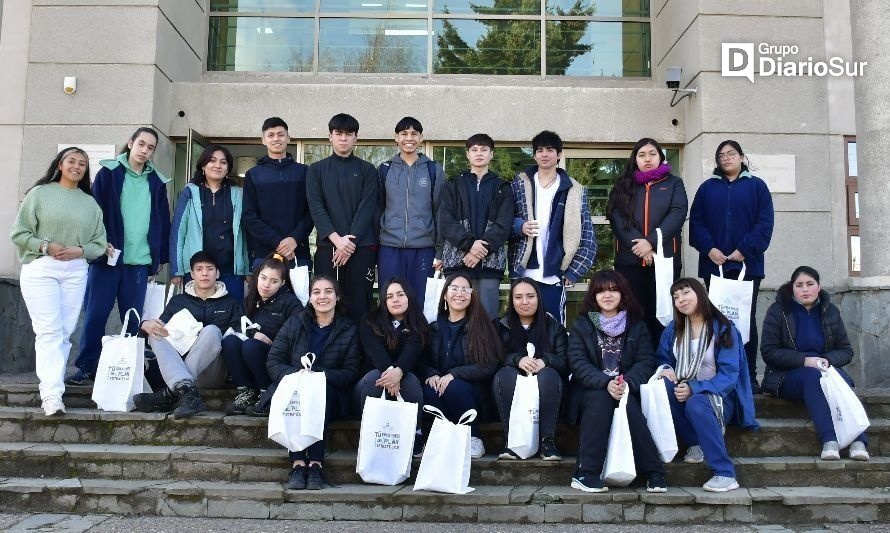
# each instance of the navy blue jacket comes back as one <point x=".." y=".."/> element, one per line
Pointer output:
<point x="275" y="207"/>
<point x="107" y="189"/>
<point x="732" y="215"/>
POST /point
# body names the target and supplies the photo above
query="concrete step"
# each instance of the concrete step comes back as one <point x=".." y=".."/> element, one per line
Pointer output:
<point x="876" y="401"/>
<point x="777" y="437"/>
<point x="513" y="504"/>
<point x="270" y="465"/>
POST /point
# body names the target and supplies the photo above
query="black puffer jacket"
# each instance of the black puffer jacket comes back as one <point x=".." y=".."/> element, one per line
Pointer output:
<point x="658" y="204"/>
<point x="408" y="349"/>
<point x="777" y="344"/>
<point x="274" y="312"/>
<point x="556" y="358"/>
<point x="220" y="310"/>
<point x="339" y="360"/>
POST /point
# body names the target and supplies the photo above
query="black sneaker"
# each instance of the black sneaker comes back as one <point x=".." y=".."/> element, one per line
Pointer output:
<point x="297" y="478"/>
<point x="655" y="482"/>
<point x="154" y="402"/>
<point x="245" y="398"/>
<point x="259" y="409"/>
<point x="549" y="451"/>
<point x="755" y="387"/>
<point x="508" y="455"/>
<point x="190" y="402"/>
<point x="315" y="477"/>
<point x="588" y="482"/>
<point x="81" y="378"/>
<point x="419" y="445"/>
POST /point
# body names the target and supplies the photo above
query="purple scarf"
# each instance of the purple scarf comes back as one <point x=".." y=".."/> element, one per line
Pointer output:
<point x="644" y="177"/>
<point x="610" y="326"/>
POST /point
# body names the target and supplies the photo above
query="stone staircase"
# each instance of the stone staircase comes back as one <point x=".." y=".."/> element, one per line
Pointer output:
<point x="90" y="461"/>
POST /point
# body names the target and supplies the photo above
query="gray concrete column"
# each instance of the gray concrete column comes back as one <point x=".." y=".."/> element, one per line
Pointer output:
<point x="871" y="43"/>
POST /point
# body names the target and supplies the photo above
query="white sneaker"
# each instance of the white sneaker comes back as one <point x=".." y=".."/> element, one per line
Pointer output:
<point x="477" y="449"/>
<point x="858" y="451"/>
<point x="53" y="406"/>
<point x="721" y="484"/>
<point x="830" y="451"/>
<point x="694" y="455"/>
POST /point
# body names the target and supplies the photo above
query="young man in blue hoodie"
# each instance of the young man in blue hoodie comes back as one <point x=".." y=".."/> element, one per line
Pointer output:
<point x="553" y="240"/>
<point x="410" y="184"/>
<point x="276" y="214"/>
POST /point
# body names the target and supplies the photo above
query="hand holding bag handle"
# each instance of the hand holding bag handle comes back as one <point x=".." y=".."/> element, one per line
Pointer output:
<point x="307" y="361"/>
<point x="127" y="321"/>
<point x="741" y="274"/>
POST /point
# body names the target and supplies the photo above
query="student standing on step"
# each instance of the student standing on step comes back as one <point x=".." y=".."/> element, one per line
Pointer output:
<point x="803" y="332"/>
<point x="526" y="322"/>
<point x="730" y="223"/>
<point x="276" y="211"/>
<point x="57" y="230"/>
<point x="323" y="329"/>
<point x="342" y="191"/>
<point x="269" y="304"/>
<point x="410" y="185"/>
<point x="208" y="301"/>
<point x="475" y="219"/>
<point x="133" y="197"/>
<point x="708" y="385"/>
<point x="463" y="355"/>
<point x="553" y="240"/>
<point x="208" y="218"/>
<point x="610" y="355"/>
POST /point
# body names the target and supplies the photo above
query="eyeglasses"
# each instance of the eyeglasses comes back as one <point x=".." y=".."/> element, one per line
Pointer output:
<point x="454" y="289"/>
<point x="727" y="155"/>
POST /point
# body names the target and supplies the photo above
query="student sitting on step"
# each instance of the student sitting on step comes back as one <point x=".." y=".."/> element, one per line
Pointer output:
<point x="207" y="300"/>
<point x="527" y="322"/>
<point x="464" y="352"/>
<point x="708" y="384"/>
<point x="393" y="337"/>
<point x="610" y="354"/>
<point x="802" y="332"/>
<point x="324" y="329"/>
<point x="269" y="303"/>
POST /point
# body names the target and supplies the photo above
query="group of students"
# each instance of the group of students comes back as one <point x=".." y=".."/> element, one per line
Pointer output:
<point x="400" y="223"/>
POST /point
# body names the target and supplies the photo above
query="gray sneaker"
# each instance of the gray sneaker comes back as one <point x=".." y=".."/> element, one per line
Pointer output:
<point x="721" y="484"/>
<point x="694" y="455"/>
<point x="858" y="451"/>
<point x="831" y="451"/>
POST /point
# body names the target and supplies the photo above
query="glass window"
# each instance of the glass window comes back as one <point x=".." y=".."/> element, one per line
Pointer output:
<point x="373" y="6"/>
<point x="375" y="153"/>
<point x="582" y="48"/>
<point x="601" y="8"/>
<point x="488" y="7"/>
<point x="372" y="45"/>
<point x="261" y="44"/>
<point x="507" y="160"/>
<point x="487" y="47"/>
<point x="263" y="6"/>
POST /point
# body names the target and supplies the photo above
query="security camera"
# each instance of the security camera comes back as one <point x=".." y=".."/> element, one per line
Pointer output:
<point x="672" y="80"/>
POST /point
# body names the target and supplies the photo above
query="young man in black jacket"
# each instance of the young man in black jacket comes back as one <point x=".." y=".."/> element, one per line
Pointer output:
<point x="342" y="191"/>
<point x="276" y="214"/>
<point x="207" y="301"/>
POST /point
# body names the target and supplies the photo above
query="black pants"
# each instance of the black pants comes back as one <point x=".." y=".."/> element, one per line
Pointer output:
<point x="356" y="277"/>
<point x="246" y="362"/>
<point x="642" y="283"/>
<point x="754" y="338"/>
<point x="549" y="394"/>
<point x="596" y="420"/>
<point x="409" y="388"/>
<point x="315" y="452"/>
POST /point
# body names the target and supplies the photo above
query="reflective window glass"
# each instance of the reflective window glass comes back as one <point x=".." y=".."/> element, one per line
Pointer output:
<point x="263" y="6"/>
<point x="374" y="6"/>
<point x="487" y="47"/>
<point x="578" y="48"/>
<point x="374" y="153"/>
<point x="601" y="8"/>
<point x="260" y="44"/>
<point x="488" y="7"/>
<point x="507" y="160"/>
<point x="372" y="45"/>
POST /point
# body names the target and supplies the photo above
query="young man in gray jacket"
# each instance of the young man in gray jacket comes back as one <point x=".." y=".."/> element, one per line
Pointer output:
<point x="410" y="184"/>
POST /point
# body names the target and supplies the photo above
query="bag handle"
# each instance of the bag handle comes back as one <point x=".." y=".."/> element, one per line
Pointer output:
<point x="307" y="361"/>
<point x="622" y="403"/>
<point x="741" y="274"/>
<point x="435" y="412"/>
<point x="659" y="372"/>
<point x="246" y="324"/>
<point x="398" y="396"/>
<point x="659" y="247"/>
<point x="467" y="418"/>
<point x="127" y="320"/>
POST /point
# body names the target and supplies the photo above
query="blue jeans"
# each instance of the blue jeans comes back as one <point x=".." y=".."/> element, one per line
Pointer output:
<point x="802" y="384"/>
<point x="554" y="297"/>
<point x="413" y="264"/>
<point x="246" y="362"/>
<point x="460" y="396"/>
<point x="697" y="425"/>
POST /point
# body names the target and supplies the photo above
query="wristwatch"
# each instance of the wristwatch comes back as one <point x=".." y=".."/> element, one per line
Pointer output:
<point x="44" y="245"/>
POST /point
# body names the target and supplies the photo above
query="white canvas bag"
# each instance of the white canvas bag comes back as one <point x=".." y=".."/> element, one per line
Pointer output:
<point x="121" y="371"/>
<point x="297" y="411"/>
<point x="664" y="278"/>
<point x="445" y="466"/>
<point x="523" y="436"/>
<point x="619" y="468"/>
<point x="431" y="295"/>
<point x="657" y="410"/>
<point x="183" y="331"/>
<point x="847" y="413"/>
<point x="246" y="324"/>
<point x="733" y="298"/>
<point x="386" y="440"/>
<point x="155" y="300"/>
<point x="299" y="279"/>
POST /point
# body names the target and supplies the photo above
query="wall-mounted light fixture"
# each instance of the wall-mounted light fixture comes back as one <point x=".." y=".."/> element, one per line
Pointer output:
<point x="70" y="85"/>
<point x="672" y="80"/>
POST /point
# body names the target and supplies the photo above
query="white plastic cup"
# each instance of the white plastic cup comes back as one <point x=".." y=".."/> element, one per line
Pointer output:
<point x="112" y="259"/>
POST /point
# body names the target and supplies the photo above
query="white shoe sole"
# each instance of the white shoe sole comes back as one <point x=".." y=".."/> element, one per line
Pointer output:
<point x="727" y="489"/>
<point x="693" y="461"/>
<point x="579" y="486"/>
<point x="860" y="456"/>
<point x="553" y="458"/>
<point x="656" y="489"/>
<point x="830" y="456"/>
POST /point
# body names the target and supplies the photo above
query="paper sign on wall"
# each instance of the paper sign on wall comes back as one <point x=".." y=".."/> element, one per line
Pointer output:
<point x="96" y="153"/>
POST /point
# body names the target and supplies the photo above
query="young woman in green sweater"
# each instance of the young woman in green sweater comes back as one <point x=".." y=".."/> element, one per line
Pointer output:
<point x="58" y="228"/>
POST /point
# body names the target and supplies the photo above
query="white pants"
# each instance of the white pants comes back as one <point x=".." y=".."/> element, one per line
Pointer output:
<point x="202" y="365"/>
<point x="53" y="291"/>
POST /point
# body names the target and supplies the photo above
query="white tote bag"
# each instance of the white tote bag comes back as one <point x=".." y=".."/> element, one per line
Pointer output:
<point x="431" y="296"/>
<point x="657" y="410"/>
<point x="523" y="436"/>
<point x="620" y="469"/>
<point x="386" y="440"/>
<point x="445" y="466"/>
<point x="121" y="370"/>
<point x="297" y="411"/>
<point x="183" y="331"/>
<point x="847" y="413"/>
<point x="299" y="279"/>
<point x="664" y="278"/>
<point x="155" y="300"/>
<point x="733" y="298"/>
<point x="246" y="324"/>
